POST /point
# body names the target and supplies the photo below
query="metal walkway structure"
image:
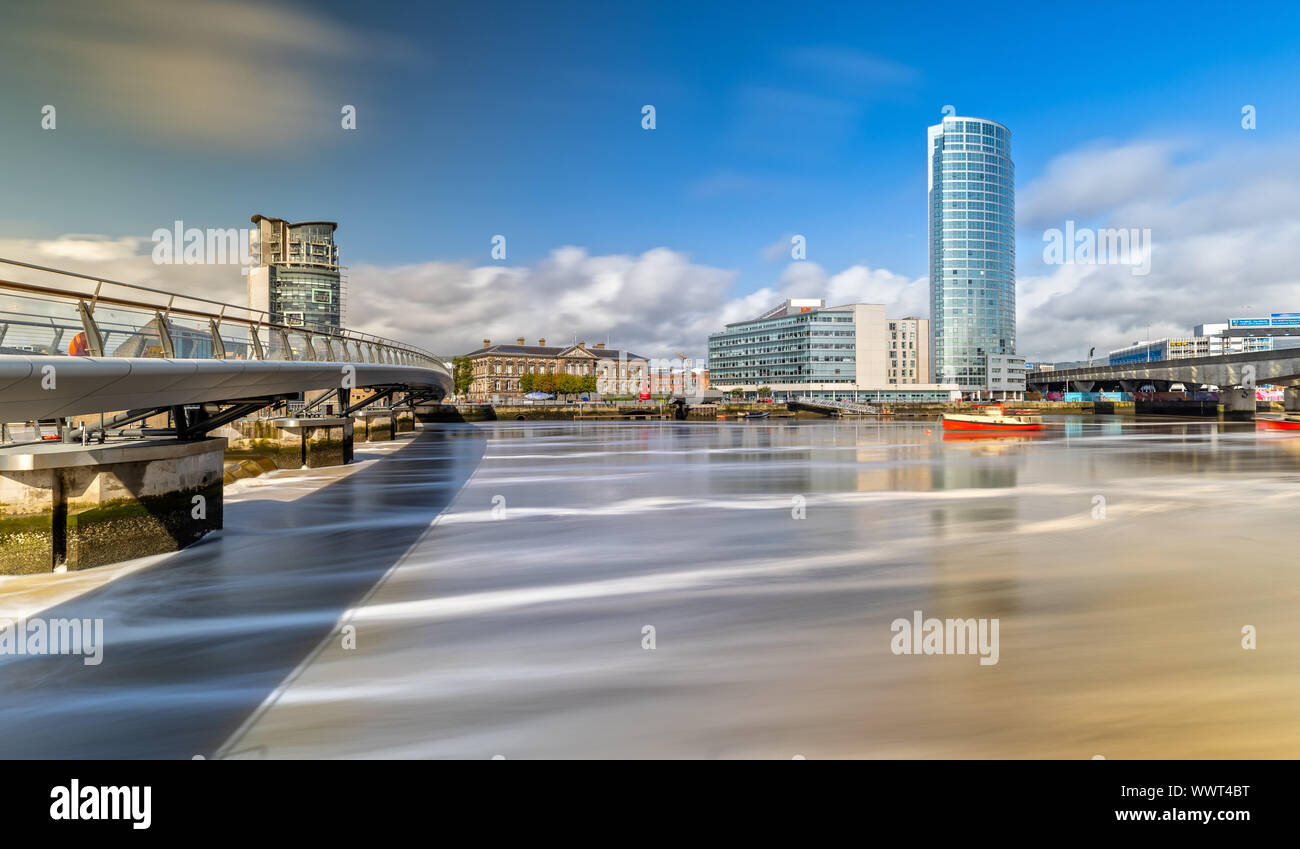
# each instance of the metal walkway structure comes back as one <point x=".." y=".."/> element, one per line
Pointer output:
<point x="73" y="345"/>
<point x="833" y="408"/>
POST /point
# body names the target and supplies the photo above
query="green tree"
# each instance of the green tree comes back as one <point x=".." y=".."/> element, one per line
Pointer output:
<point x="588" y="383"/>
<point x="736" y="393"/>
<point x="765" y="392"/>
<point x="526" y="382"/>
<point x="544" y="383"/>
<point x="463" y="374"/>
<point x="568" y="384"/>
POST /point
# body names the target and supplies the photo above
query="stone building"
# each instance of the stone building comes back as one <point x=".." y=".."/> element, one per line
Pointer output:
<point x="497" y="368"/>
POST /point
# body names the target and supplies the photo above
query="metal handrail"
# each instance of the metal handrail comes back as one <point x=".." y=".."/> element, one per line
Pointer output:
<point x="171" y="308"/>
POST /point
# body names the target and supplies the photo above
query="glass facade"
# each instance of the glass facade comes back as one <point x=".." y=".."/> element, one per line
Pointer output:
<point x="972" y="220"/>
<point x="813" y="346"/>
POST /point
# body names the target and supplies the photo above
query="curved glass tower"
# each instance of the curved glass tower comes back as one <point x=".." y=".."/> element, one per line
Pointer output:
<point x="972" y="249"/>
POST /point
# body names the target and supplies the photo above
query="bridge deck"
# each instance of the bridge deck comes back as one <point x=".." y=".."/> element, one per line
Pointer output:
<point x="29" y="389"/>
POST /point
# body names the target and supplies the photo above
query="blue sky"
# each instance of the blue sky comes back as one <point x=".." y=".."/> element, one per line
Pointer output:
<point x="524" y="119"/>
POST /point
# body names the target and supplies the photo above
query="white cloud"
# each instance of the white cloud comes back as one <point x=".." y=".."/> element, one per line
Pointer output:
<point x="1225" y="233"/>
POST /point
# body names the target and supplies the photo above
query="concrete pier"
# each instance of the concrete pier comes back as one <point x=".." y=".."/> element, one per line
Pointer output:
<point x="1291" y="399"/>
<point x="292" y="443"/>
<point x="76" y="507"/>
<point x="374" y="425"/>
<point x="1237" y="404"/>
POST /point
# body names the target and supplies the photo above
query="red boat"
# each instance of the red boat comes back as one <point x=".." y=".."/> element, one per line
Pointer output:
<point x="1277" y="422"/>
<point x="992" y="418"/>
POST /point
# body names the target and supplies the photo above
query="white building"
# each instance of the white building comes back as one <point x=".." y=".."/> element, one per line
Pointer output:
<point x="803" y="348"/>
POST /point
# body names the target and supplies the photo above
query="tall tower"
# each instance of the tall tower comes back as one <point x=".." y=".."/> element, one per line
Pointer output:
<point x="296" y="274"/>
<point x="972" y="215"/>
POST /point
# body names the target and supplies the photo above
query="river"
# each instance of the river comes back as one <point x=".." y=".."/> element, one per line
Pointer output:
<point x="702" y="590"/>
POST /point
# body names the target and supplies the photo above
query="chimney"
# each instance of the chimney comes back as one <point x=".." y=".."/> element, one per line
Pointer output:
<point x="487" y="343"/>
<point x="582" y="345"/>
<point x="519" y="340"/>
<point x="541" y="343"/>
<point x="600" y="345"/>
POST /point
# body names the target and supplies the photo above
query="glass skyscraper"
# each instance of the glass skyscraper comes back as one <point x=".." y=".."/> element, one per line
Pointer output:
<point x="972" y="214"/>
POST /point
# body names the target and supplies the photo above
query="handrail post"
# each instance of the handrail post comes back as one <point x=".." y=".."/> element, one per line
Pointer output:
<point x="164" y="336"/>
<point x="94" y="342"/>
<point x="218" y="346"/>
<point x="287" y="348"/>
<point x="257" y="341"/>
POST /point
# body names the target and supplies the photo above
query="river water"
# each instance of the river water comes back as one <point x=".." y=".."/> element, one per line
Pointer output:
<point x="702" y="590"/>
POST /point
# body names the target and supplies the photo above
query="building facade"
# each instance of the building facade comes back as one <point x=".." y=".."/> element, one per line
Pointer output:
<point x="909" y="350"/>
<point x="1235" y="336"/>
<point x="667" y="379"/>
<point x="1006" y="377"/>
<point x="972" y="221"/>
<point x="497" y="369"/>
<point x="802" y="347"/>
<point x="296" y="276"/>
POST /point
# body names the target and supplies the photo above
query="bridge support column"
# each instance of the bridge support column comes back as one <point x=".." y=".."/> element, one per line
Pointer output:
<point x="404" y="421"/>
<point x="65" y="506"/>
<point x="292" y="443"/>
<point x="1291" y="399"/>
<point x="374" y="425"/>
<point x="1237" y="404"/>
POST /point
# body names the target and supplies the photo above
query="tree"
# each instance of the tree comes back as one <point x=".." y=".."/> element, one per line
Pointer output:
<point x="526" y="382"/>
<point x="736" y="393"/>
<point x="588" y="383"/>
<point x="568" y="384"/>
<point x="544" y="383"/>
<point x="765" y="392"/>
<point x="463" y="374"/>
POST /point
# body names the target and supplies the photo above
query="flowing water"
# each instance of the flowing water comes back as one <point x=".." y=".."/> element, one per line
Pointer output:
<point x="708" y="590"/>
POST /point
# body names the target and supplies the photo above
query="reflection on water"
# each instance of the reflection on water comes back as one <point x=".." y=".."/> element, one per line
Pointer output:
<point x="1122" y="559"/>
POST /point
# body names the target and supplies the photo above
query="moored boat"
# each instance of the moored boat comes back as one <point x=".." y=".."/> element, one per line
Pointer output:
<point x="992" y="418"/>
<point x="1265" y="421"/>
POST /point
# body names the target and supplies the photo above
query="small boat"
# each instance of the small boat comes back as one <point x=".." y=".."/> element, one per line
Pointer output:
<point x="1275" y="421"/>
<point x="762" y="415"/>
<point x="992" y="417"/>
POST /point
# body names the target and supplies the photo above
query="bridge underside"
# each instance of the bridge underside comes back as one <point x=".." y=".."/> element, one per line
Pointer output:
<point x="45" y="387"/>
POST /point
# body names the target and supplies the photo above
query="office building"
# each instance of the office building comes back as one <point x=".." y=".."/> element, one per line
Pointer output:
<point x="972" y="220"/>
<point x="1235" y="336"/>
<point x="802" y="347"/>
<point x="295" y="275"/>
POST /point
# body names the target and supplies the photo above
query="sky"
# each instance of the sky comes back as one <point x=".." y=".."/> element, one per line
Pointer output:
<point x="772" y="120"/>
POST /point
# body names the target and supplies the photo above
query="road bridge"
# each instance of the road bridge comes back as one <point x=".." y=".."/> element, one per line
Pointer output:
<point x="1278" y="367"/>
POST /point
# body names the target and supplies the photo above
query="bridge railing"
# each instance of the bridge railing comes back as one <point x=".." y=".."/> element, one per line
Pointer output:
<point x="67" y="313"/>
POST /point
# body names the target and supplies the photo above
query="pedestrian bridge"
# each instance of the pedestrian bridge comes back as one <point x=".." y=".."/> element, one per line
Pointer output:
<point x="73" y="345"/>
